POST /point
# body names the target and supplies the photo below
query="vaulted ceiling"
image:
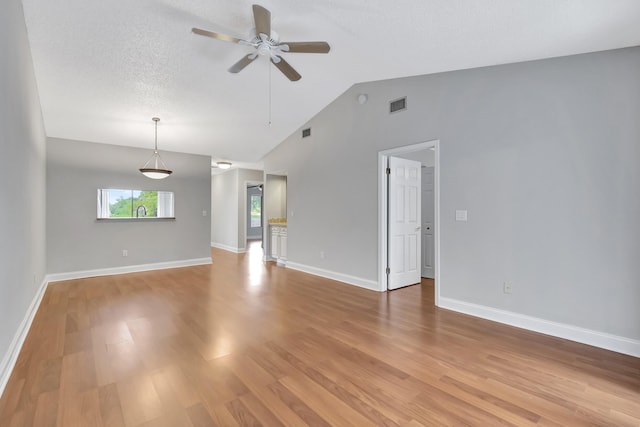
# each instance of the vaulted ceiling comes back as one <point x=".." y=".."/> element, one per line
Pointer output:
<point x="105" y="68"/>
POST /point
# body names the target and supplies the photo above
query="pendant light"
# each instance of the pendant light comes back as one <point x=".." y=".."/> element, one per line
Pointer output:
<point x="155" y="167"/>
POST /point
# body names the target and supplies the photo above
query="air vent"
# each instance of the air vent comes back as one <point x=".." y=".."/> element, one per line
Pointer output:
<point x="398" y="105"/>
<point x="306" y="132"/>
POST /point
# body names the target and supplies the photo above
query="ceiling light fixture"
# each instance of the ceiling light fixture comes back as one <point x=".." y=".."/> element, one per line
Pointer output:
<point x="155" y="167"/>
<point x="224" y="165"/>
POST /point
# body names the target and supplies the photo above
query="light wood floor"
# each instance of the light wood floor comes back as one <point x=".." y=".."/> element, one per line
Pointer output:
<point x="244" y="343"/>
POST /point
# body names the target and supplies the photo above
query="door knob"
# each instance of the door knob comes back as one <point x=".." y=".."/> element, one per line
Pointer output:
<point x="428" y="228"/>
<point x="417" y="228"/>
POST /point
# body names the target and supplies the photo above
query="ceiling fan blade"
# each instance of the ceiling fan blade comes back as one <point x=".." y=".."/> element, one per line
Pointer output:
<point x="219" y="36"/>
<point x="286" y="69"/>
<point x="262" y="18"/>
<point x="239" y="66"/>
<point x="306" y="47"/>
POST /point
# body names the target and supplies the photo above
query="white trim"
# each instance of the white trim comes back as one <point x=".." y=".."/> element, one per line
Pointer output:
<point x="561" y="330"/>
<point x="11" y="356"/>
<point x="127" y="269"/>
<point x="436" y="207"/>
<point x="228" y="248"/>
<point x="345" y="278"/>
<point x="383" y="156"/>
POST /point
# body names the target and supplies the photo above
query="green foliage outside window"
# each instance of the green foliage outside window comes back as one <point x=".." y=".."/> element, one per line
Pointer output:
<point x="114" y="203"/>
<point x="256" y="209"/>
<point x="128" y="207"/>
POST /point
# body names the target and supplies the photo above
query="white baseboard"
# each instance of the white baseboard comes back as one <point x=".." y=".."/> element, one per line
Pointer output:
<point x="228" y="248"/>
<point x="11" y="356"/>
<point x="573" y="333"/>
<point x="351" y="280"/>
<point x="56" y="277"/>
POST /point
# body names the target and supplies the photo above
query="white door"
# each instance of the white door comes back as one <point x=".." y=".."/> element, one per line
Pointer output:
<point x="428" y="218"/>
<point x="404" y="222"/>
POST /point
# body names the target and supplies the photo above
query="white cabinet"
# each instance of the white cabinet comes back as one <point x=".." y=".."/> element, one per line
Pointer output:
<point x="275" y="240"/>
<point x="278" y="242"/>
<point x="282" y="253"/>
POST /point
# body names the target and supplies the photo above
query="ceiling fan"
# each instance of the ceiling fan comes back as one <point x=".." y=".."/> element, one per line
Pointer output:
<point x="267" y="43"/>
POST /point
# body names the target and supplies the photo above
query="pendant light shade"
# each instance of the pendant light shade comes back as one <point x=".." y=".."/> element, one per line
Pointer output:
<point x="155" y="167"/>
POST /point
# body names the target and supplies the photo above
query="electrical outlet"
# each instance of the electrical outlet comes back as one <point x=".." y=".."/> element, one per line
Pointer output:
<point x="125" y="252"/>
<point x="204" y="213"/>
<point x="507" y="287"/>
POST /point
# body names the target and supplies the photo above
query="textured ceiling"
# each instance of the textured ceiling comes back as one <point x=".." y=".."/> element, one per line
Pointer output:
<point x="104" y="68"/>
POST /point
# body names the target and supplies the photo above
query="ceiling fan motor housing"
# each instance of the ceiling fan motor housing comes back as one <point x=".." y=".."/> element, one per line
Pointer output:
<point x="263" y="43"/>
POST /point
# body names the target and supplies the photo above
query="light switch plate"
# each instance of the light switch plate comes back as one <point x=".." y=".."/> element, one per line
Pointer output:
<point x="461" y="215"/>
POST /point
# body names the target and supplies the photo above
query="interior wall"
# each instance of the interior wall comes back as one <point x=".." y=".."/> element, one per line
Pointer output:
<point x="542" y="154"/>
<point x="224" y="209"/>
<point x="275" y="202"/>
<point x="77" y="241"/>
<point x="426" y="157"/>
<point x="22" y="181"/>
<point x="228" y="222"/>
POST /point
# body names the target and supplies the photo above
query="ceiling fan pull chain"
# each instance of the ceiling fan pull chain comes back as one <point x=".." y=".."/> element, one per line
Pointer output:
<point x="269" y="67"/>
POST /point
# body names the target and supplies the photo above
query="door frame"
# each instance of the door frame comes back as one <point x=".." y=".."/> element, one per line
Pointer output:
<point x="246" y="210"/>
<point x="383" y="202"/>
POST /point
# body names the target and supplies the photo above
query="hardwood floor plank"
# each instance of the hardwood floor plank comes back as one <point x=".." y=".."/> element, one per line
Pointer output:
<point x="242" y="414"/>
<point x="334" y="388"/>
<point x="199" y="416"/>
<point x="263" y="414"/>
<point x="110" y="408"/>
<point x="244" y="342"/>
<point x="325" y="404"/>
<point x="221" y="416"/>
<point x="46" y="413"/>
<point x="301" y="409"/>
<point x="139" y="400"/>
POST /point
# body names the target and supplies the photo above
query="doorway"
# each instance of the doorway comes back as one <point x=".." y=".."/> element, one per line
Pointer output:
<point x="253" y="215"/>
<point x="384" y="247"/>
<point x="254" y="212"/>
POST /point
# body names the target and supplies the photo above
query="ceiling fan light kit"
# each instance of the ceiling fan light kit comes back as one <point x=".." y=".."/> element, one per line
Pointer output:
<point x="155" y="168"/>
<point x="267" y="43"/>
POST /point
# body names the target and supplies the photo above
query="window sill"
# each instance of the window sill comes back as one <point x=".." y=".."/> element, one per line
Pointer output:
<point x="170" y="218"/>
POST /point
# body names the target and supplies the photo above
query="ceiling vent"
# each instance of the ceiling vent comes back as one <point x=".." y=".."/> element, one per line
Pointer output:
<point x="398" y="105"/>
<point x="306" y="132"/>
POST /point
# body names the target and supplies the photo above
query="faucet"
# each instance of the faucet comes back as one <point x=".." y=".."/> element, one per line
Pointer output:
<point x="144" y="211"/>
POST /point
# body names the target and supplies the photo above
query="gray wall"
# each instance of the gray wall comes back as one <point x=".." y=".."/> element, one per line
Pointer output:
<point x="544" y="156"/>
<point x="76" y="241"/>
<point x="22" y="177"/>
<point x="228" y="207"/>
<point x="224" y="209"/>
<point x="275" y="193"/>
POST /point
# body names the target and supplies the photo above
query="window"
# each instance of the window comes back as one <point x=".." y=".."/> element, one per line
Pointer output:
<point x="256" y="210"/>
<point x="117" y="203"/>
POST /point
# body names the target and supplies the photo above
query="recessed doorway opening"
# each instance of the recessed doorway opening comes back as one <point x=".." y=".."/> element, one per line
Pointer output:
<point x="253" y="212"/>
<point x="429" y="227"/>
